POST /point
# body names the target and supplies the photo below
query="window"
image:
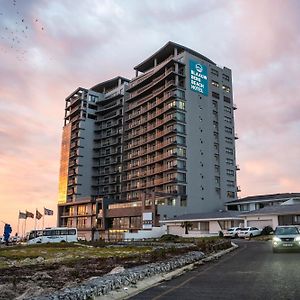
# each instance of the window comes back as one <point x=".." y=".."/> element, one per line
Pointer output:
<point x="180" y="94"/>
<point x="204" y="226"/>
<point x="181" y="151"/>
<point x="227" y="119"/>
<point x="215" y="95"/>
<point x="180" y="140"/>
<point x="180" y="116"/>
<point x="230" y="183"/>
<point x="229" y="161"/>
<point x="216" y="125"/>
<point x="93" y="117"/>
<point x="82" y="210"/>
<point x="215" y="83"/>
<point x="227" y="109"/>
<point x="183" y="202"/>
<point x="92" y="106"/>
<point x="229" y="172"/>
<point x="215" y="105"/>
<point x="181" y="104"/>
<point x="227" y="99"/>
<point x="217" y="168"/>
<point x="181" y="177"/>
<point x="82" y="222"/>
<point x="216" y="146"/>
<point x="226" y="88"/>
<point x="93" y="98"/>
<point x="229" y="150"/>
<point x="226" y="77"/>
<point x="230" y="194"/>
<point x="228" y="140"/>
<point x="180" y="128"/>
<point x="181" y="164"/>
<point x="214" y="72"/>
<point x="228" y="129"/>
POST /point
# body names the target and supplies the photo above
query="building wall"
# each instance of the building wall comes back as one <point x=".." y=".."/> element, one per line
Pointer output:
<point x="261" y="221"/>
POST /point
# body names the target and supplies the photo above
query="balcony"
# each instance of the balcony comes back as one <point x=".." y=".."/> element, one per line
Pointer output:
<point x="234" y="106"/>
<point x="236" y="137"/>
<point x="237" y="167"/>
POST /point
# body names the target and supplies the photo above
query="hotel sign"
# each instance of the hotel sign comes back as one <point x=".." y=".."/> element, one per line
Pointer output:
<point x="198" y="78"/>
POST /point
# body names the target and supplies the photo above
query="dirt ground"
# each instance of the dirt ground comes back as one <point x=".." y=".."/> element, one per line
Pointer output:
<point x="32" y="280"/>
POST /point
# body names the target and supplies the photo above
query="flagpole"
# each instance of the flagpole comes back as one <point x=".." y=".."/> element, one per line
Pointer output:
<point x="18" y="224"/>
<point x="35" y="220"/>
<point x="25" y="226"/>
<point x="44" y="219"/>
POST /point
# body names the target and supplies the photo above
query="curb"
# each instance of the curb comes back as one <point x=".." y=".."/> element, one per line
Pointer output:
<point x="147" y="283"/>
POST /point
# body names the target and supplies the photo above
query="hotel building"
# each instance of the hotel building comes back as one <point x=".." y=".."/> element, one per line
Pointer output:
<point x="154" y="147"/>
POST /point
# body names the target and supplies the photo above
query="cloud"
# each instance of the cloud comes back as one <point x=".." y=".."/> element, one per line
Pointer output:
<point x="85" y="42"/>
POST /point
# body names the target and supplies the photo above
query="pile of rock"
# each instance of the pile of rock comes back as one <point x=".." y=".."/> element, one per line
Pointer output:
<point x="98" y="286"/>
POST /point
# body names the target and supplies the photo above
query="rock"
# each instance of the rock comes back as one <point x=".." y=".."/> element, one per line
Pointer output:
<point x="41" y="275"/>
<point x="117" y="270"/>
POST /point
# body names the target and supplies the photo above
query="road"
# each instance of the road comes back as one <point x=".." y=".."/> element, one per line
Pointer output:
<point x="250" y="272"/>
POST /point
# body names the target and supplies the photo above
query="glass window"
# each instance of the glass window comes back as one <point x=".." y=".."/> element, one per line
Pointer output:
<point x="214" y="72"/>
<point x="215" y="83"/>
<point x="181" y="151"/>
<point x="181" y="164"/>
<point x="227" y="109"/>
<point x="180" y="128"/>
<point x="215" y="95"/>
<point x="228" y="129"/>
<point x="180" y="139"/>
<point x="180" y="116"/>
<point x="181" y="104"/>
<point x="229" y="150"/>
<point x="229" y="172"/>
<point x="227" y="99"/>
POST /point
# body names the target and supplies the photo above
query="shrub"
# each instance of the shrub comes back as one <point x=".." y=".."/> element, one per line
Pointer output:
<point x="267" y="230"/>
<point x="168" y="238"/>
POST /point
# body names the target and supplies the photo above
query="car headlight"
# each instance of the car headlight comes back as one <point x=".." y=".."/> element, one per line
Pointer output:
<point x="276" y="239"/>
<point x="297" y="238"/>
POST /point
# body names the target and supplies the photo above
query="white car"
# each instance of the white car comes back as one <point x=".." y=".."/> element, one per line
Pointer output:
<point x="232" y="232"/>
<point x="249" y="232"/>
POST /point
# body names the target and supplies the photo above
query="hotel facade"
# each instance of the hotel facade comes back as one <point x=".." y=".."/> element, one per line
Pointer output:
<point x="138" y="151"/>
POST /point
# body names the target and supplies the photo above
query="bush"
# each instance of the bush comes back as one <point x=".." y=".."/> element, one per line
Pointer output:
<point x="168" y="238"/>
<point x="267" y="230"/>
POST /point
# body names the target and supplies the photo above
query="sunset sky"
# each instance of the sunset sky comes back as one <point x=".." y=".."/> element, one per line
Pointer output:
<point x="49" y="48"/>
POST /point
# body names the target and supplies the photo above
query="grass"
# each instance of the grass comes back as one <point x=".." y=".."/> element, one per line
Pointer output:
<point x="65" y="252"/>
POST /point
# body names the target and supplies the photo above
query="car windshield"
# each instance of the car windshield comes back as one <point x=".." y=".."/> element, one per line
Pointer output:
<point x="244" y="229"/>
<point x="231" y="229"/>
<point x="286" y="230"/>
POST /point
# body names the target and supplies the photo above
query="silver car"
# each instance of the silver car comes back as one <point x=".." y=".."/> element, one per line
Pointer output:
<point x="286" y="237"/>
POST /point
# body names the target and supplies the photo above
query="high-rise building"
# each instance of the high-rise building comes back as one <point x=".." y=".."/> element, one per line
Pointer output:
<point x="160" y="145"/>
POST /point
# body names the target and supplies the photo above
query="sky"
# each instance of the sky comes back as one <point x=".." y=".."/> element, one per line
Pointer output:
<point x="49" y="48"/>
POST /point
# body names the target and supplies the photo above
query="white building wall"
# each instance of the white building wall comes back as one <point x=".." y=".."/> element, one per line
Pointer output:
<point x="260" y="221"/>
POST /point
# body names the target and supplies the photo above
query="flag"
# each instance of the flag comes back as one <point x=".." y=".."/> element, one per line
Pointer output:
<point x="38" y="215"/>
<point x="48" y="212"/>
<point x="22" y="215"/>
<point x="29" y="214"/>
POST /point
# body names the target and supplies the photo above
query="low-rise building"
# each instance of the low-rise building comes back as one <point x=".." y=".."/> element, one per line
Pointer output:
<point x="260" y="201"/>
<point x="285" y="214"/>
<point x="202" y="224"/>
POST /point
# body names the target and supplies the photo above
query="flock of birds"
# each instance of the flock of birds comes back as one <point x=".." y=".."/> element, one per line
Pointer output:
<point x="13" y="36"/>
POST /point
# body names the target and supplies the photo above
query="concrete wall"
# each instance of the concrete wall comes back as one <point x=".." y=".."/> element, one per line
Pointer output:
<point x="155" y="232"/>
<point x="201" y="161"/>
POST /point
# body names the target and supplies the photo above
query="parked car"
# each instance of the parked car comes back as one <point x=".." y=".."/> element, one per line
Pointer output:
<point x="286" y="237"/>
<point x="249" y="232"/>
<point x="232" y="232"/>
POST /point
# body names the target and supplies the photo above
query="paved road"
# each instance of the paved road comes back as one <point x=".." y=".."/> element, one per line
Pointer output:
<point x="250" y="272"/>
